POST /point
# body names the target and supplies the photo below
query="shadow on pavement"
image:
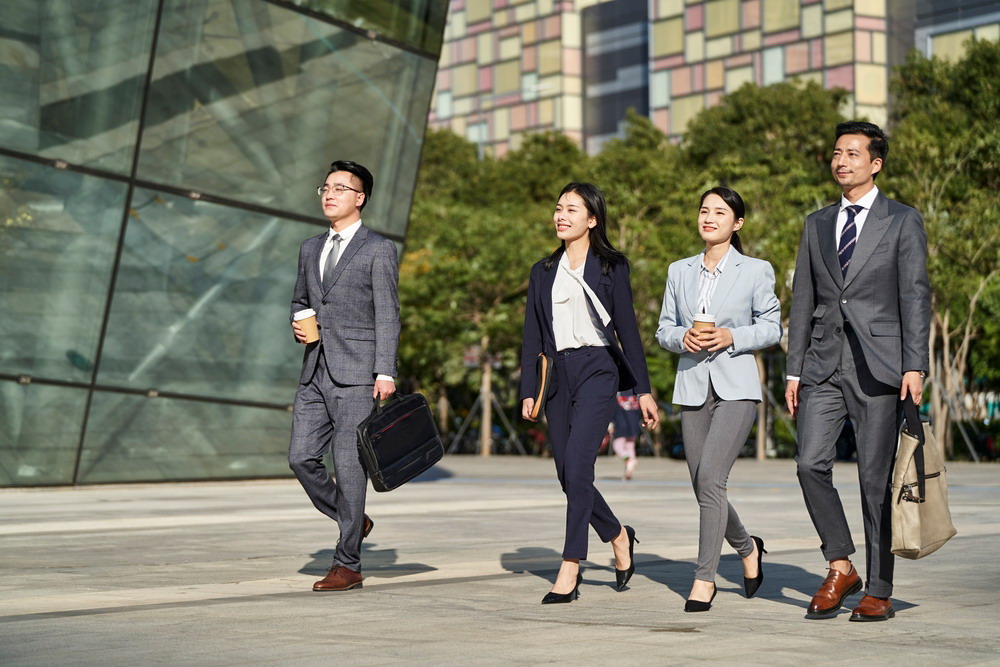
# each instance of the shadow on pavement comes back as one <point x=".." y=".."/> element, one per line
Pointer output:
<point x="375" y="561"/>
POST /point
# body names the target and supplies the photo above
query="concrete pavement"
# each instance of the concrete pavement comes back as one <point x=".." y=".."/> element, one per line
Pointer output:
<point x="220" y="574"/>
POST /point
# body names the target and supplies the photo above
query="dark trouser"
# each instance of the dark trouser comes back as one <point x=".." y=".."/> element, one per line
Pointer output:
<point x="714" y="433"/>
<point x="578" y="415"/>
<point x="873" y="409"/>
<point x="326" y="415"/>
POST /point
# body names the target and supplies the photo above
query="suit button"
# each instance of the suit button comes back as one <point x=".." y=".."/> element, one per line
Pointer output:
<point x="837" y="330"/>
<point x="319" y="326"/>
<point x="324" y="303"/>
<point x="842" y="301"/>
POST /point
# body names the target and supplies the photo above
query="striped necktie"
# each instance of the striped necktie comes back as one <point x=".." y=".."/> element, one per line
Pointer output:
<point x="331" y="262"/>
<point x="848" y="238"/>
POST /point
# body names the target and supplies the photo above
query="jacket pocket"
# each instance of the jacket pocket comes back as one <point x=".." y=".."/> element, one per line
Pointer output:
<point x="881" y="247"/>
<point x="818" y="330"/>
<point x="884" y="328"/>
<point x="820" y="310"/>
<point x="356" y="333"/>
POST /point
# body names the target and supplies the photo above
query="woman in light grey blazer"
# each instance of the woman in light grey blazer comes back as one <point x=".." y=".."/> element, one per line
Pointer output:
<point x="717" y="385"/>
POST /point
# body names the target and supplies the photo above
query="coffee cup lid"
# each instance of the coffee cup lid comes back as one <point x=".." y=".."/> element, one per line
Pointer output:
<point x="303" y="314"/>
<point x="704" y="317"/>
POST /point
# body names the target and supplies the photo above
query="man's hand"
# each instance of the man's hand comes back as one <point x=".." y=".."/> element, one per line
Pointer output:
<point x="650" y="413"/>
<point x="913" y="385"/>
<point x="715" y="338"/>
<point x="300" y="335"/>
<point x="383" y="389"/>
<point x="792" y="397"/>
<point x="527" y="405"/>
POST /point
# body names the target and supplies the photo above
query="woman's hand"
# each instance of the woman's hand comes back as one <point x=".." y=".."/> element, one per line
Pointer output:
<point x="527" y="405"/>
<point x="650" y="413"/>
<point x="715" y="338"/>
<point x="691" y="341"/>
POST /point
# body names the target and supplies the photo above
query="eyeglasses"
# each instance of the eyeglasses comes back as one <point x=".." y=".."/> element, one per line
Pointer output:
<point x="337" y="189"/>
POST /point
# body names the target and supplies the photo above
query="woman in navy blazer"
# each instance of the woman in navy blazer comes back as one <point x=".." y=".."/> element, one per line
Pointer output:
<point x="717" y="384"/>
<point x="579" y="309"/>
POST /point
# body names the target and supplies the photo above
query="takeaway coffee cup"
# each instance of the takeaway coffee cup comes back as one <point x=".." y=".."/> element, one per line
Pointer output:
<point x="307" y="320"/>
<point x="703" y="321"/>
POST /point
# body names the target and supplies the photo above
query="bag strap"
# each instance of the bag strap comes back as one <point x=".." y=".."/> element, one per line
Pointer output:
<point x="915" y="428"/>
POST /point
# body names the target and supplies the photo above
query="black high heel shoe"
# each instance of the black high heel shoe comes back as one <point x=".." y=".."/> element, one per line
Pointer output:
<point x="698" y="605"/>
<point x="559" y="598"/>
<point x="751" y="585"/>
<point x="622" y="576"/>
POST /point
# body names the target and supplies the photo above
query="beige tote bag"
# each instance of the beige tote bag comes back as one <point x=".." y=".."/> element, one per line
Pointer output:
<point x="921" y="521"/>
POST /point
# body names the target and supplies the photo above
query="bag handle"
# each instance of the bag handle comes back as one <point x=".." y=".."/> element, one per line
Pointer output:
<point x="915" y="428"/>
<point x="378" y="406"/>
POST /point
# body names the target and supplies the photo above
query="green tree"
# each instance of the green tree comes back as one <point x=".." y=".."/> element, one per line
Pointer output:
<point x="946" y="144"/>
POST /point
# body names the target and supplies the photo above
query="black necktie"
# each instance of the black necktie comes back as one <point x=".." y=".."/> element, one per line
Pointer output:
<point x="848" y="238"/>
<point x="331" y="262"/>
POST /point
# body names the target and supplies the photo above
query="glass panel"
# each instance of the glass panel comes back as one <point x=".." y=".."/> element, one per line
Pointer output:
<point x="39" y="433"/>
<point x="252" y="101"/>
<point x="417" y="23"/>
<point x="58" y="231"/>
<point x="133" y="438"/>
<point x="201" y="302"/>
<point x="71" y="78"/>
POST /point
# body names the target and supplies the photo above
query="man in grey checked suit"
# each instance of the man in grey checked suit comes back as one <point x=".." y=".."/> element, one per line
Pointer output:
<point x="348" y="275"/>
<point x="857" y="344"/>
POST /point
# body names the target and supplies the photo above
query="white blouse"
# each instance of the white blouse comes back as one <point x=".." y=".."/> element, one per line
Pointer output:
<point x="574" y="322"/>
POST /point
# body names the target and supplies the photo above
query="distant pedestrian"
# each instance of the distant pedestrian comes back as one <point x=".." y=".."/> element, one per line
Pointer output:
<point x="626" y="427"/>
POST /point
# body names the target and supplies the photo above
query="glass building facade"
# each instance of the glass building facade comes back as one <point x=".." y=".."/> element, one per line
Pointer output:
<point x="158" y="166"/>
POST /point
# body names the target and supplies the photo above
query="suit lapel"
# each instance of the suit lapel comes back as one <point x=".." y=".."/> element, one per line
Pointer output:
<point x="726" y="279"/>
<point x="875" y="227"/>
<point x="313" y="252"/>
<point x="826" y="232"/>
<point x="345" y="257"/>
<point x="690" y="285"/>
<point x="545" y="293"/>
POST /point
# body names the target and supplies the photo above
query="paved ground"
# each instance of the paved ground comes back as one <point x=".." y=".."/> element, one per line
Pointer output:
<point x="220" y="574"/>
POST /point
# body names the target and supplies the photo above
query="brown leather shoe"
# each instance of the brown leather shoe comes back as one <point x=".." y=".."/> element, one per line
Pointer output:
<point x="830" y="596"/>
<point x="339" y="579"/>
<point x="873" y="609"/>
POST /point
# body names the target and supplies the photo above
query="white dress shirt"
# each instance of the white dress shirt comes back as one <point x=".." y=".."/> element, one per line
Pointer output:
<point x="345" y="237"/>
<point x="574" y="323"/>
<point x="709" y="280"/>
<point x="859" y="220"/>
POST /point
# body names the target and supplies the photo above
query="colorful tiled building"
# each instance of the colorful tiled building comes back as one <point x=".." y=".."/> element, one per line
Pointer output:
<point x="510" y="67"/>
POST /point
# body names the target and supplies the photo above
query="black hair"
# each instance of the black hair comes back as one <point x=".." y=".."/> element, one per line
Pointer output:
<point x="735" y="202"/>
<point x="359" y="172"/>
<point x="593" y="199"/>
<point x="878" y="143"/>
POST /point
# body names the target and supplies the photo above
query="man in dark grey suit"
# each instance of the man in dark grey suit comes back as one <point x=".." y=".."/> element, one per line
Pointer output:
<point x="348" y="275"/>
<point x="857" y="344"/>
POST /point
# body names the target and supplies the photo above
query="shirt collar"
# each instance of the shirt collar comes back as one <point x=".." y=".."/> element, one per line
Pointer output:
<point x="722" y="262"/>
<point x="865" y="202"/>
<point x="345" y="235"/>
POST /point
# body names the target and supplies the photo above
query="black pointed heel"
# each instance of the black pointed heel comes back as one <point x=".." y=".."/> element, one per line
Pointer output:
<point x="560" y="598"/>
<point x="751" y="585"/>
<point x="698" y="605"/>
<point x="622" y="576"/>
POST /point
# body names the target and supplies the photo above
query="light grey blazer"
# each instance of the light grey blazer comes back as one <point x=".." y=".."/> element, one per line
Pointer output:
<point x="744" y="302"/>
<point x="358" y="316"/>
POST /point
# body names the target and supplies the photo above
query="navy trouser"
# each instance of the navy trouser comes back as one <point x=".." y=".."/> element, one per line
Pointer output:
<point x="578" y="414"/>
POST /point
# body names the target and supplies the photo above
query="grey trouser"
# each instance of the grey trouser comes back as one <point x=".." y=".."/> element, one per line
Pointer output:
<point x="714" y="433"/>
<point x="327" y="415"/>
<point x="872" y="406"/>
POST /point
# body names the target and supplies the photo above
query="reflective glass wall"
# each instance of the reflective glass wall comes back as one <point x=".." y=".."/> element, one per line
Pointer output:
<point x="158" y="165"/>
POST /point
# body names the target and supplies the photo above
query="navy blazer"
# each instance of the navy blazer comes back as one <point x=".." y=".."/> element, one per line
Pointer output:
<point x="615" y="293"/>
